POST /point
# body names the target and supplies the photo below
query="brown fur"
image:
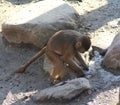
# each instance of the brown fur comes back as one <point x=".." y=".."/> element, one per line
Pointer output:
<point x="63" y="48"/>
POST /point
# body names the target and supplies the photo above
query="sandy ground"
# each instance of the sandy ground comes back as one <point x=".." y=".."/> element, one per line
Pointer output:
<point x="99" y="18"/>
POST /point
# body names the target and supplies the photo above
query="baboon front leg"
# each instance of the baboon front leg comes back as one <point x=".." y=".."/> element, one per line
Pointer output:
<point x="82" y="62"/>
<point x="73" y="65"/>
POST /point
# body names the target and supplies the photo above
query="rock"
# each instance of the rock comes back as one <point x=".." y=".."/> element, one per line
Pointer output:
<point x="112" y="57"/>
<point x="47" y="65"/>
<point x="65" y="90"/>
<point x="36" y="23"/>
<point x="10" y="99"/>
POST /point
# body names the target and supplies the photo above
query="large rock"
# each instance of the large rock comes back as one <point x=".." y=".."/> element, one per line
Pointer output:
<point x="39" y="21"/>
<point x="112" y="57"/>
<point x="67" y="90"/>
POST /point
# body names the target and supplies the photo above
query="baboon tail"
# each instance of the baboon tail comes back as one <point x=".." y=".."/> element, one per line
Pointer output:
<point x="36" y="56"/>
<point x="40" y="53"/>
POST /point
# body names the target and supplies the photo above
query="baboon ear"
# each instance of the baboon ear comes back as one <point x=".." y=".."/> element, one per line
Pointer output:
<point x="79" y="44"/>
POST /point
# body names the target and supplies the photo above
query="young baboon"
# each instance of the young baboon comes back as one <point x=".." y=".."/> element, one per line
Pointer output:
<point x="64" y="48"/>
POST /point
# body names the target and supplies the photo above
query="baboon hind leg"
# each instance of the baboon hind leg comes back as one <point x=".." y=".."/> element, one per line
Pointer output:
<point x="59" y="69"/>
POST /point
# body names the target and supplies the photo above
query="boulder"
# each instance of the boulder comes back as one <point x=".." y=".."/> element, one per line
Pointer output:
<point x="112" y="57"/>
<point x="36" y="23"/>
<point x="64" y="90"/>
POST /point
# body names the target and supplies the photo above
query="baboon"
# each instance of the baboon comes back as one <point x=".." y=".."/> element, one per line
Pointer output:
<point x="62" y="49"/>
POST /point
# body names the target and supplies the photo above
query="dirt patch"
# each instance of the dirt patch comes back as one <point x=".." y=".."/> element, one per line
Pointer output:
<point x="101" y="19"/>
